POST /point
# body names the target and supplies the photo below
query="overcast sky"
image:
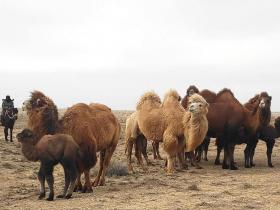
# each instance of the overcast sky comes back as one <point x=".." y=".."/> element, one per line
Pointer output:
<point x="112" y="51"/>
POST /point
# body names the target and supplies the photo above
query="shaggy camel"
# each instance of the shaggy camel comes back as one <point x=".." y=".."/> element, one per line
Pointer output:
<point x="233" y="123"/>
<point x="94" y="128"/>
<point x="51" y="150"/>
<point x="133" y="134"/>
<point x="170" y="123"/>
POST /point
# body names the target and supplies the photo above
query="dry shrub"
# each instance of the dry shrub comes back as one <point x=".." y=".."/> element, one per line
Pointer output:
<point x="117" y="168"/>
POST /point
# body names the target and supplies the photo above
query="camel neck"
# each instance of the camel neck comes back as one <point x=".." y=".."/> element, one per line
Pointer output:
<point x="29" y="151"/>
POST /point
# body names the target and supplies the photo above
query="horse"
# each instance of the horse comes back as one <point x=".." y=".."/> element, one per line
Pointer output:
<point x="9" y="118"/>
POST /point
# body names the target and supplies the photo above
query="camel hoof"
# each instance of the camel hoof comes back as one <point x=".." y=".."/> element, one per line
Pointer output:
<point x="225" y="166"/>
<point x="217" y="162"/>
<point x="68" y="196"/>
<point x="49" y="199"/>
<point x="233" y="168"/>
<point x="198" y="167"/>
<point x="270" y="165"/>
<point x="41" y="196"/>
<point x="60" y="196"/>
<point x="87" y="190"/>
<point x="78" y="188"/>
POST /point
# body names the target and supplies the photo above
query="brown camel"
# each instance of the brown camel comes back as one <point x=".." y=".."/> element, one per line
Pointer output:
<point x="94" y="127"/>
<point x="233" y="123"/>
<point x="51" y="150"/>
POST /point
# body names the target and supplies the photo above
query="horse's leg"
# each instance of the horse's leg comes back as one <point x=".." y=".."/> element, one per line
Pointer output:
<point x="11" y="134"/>
<point x="269" y="148"/>
<point x="6" y="133"/>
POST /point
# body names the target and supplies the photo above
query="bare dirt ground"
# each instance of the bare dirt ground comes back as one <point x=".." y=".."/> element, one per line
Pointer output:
<point x="208" y="188"/>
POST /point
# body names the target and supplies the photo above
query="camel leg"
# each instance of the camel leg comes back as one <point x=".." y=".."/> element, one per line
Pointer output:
<point x="225" y="161"/>
<point x="157" y="151"/>
<point x="198" y="153"/>
<point x="219" y="150"/>
<point x="206" y="147"/>
<point x="101" y="165"/>
<point x="182" y="163"/>
<point x="193" y="161"/>
<point x="107" y="159"/>
<point x="87" y="186"/>
<point x="67" y="182"/>
<point x="253" y="153"/>
<point x="269" y="148"/>
<point x="231" y="157"/>
<point x="154" y="150"/>
<point x="73" y="176"/>
<point x="41" y="177"/>
<point x="141" y="148"/>
<point x="246" y="154"/>
<point x="50" y="180"/>
<point x="170" y="165"/>
<point x="129" y="153"/>
<point x="78" y="184"/>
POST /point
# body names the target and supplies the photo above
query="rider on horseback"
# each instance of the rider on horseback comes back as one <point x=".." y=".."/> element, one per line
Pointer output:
<point x="7" y="104"/>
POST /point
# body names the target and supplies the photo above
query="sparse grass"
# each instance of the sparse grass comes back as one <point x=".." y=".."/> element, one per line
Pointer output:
<point x="193" y="187"/>
<point x="117" y="168"/>
<point x="247" y="186"/>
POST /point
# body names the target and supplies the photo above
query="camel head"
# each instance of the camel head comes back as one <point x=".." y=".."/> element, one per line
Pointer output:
<point x="198" y="105"/>
<point x="26" y="136"/>
<point x="265" y="101"/>
<point x="37" y="100"/>
<point x="191" y="90"/>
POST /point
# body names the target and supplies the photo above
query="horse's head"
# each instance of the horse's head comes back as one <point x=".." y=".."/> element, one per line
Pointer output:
<point x="12" y="113"/>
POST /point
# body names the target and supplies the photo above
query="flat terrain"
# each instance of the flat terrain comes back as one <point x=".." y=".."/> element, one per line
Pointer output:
<point x="207" y="188"/>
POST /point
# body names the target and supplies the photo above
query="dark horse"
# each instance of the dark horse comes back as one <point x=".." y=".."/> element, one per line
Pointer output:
<point x="8" y="121"/>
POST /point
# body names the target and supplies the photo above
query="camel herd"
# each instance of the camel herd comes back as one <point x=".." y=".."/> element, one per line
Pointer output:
<point x="184" y="128"/>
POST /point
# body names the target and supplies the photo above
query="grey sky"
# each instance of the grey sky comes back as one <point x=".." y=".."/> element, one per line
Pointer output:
<point x="113" y="51"/>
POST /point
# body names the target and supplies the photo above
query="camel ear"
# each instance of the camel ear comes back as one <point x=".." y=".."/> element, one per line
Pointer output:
<point x="270" y="98"/>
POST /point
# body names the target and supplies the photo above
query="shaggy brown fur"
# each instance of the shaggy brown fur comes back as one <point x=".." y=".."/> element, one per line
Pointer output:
<point x="51" y="150"/>
<point x="94" y="127"/>
<point x="166" y="123"/>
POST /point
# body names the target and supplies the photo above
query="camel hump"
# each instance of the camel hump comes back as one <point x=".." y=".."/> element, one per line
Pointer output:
<point x="225" y="91"/>
<point x="172" y="94"/>
<point x="99" y="106"/>
<point x="209" y="95"/>
<point x="150" y="96"/>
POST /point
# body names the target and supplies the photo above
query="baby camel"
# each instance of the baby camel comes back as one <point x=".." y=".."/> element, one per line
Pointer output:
<point x="51" y="150"/>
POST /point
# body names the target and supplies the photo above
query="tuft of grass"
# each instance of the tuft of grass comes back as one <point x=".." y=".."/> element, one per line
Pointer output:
<point x="193" y="187"/>
<point x="117" y="169"/>
<point x="247" y="186"/>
